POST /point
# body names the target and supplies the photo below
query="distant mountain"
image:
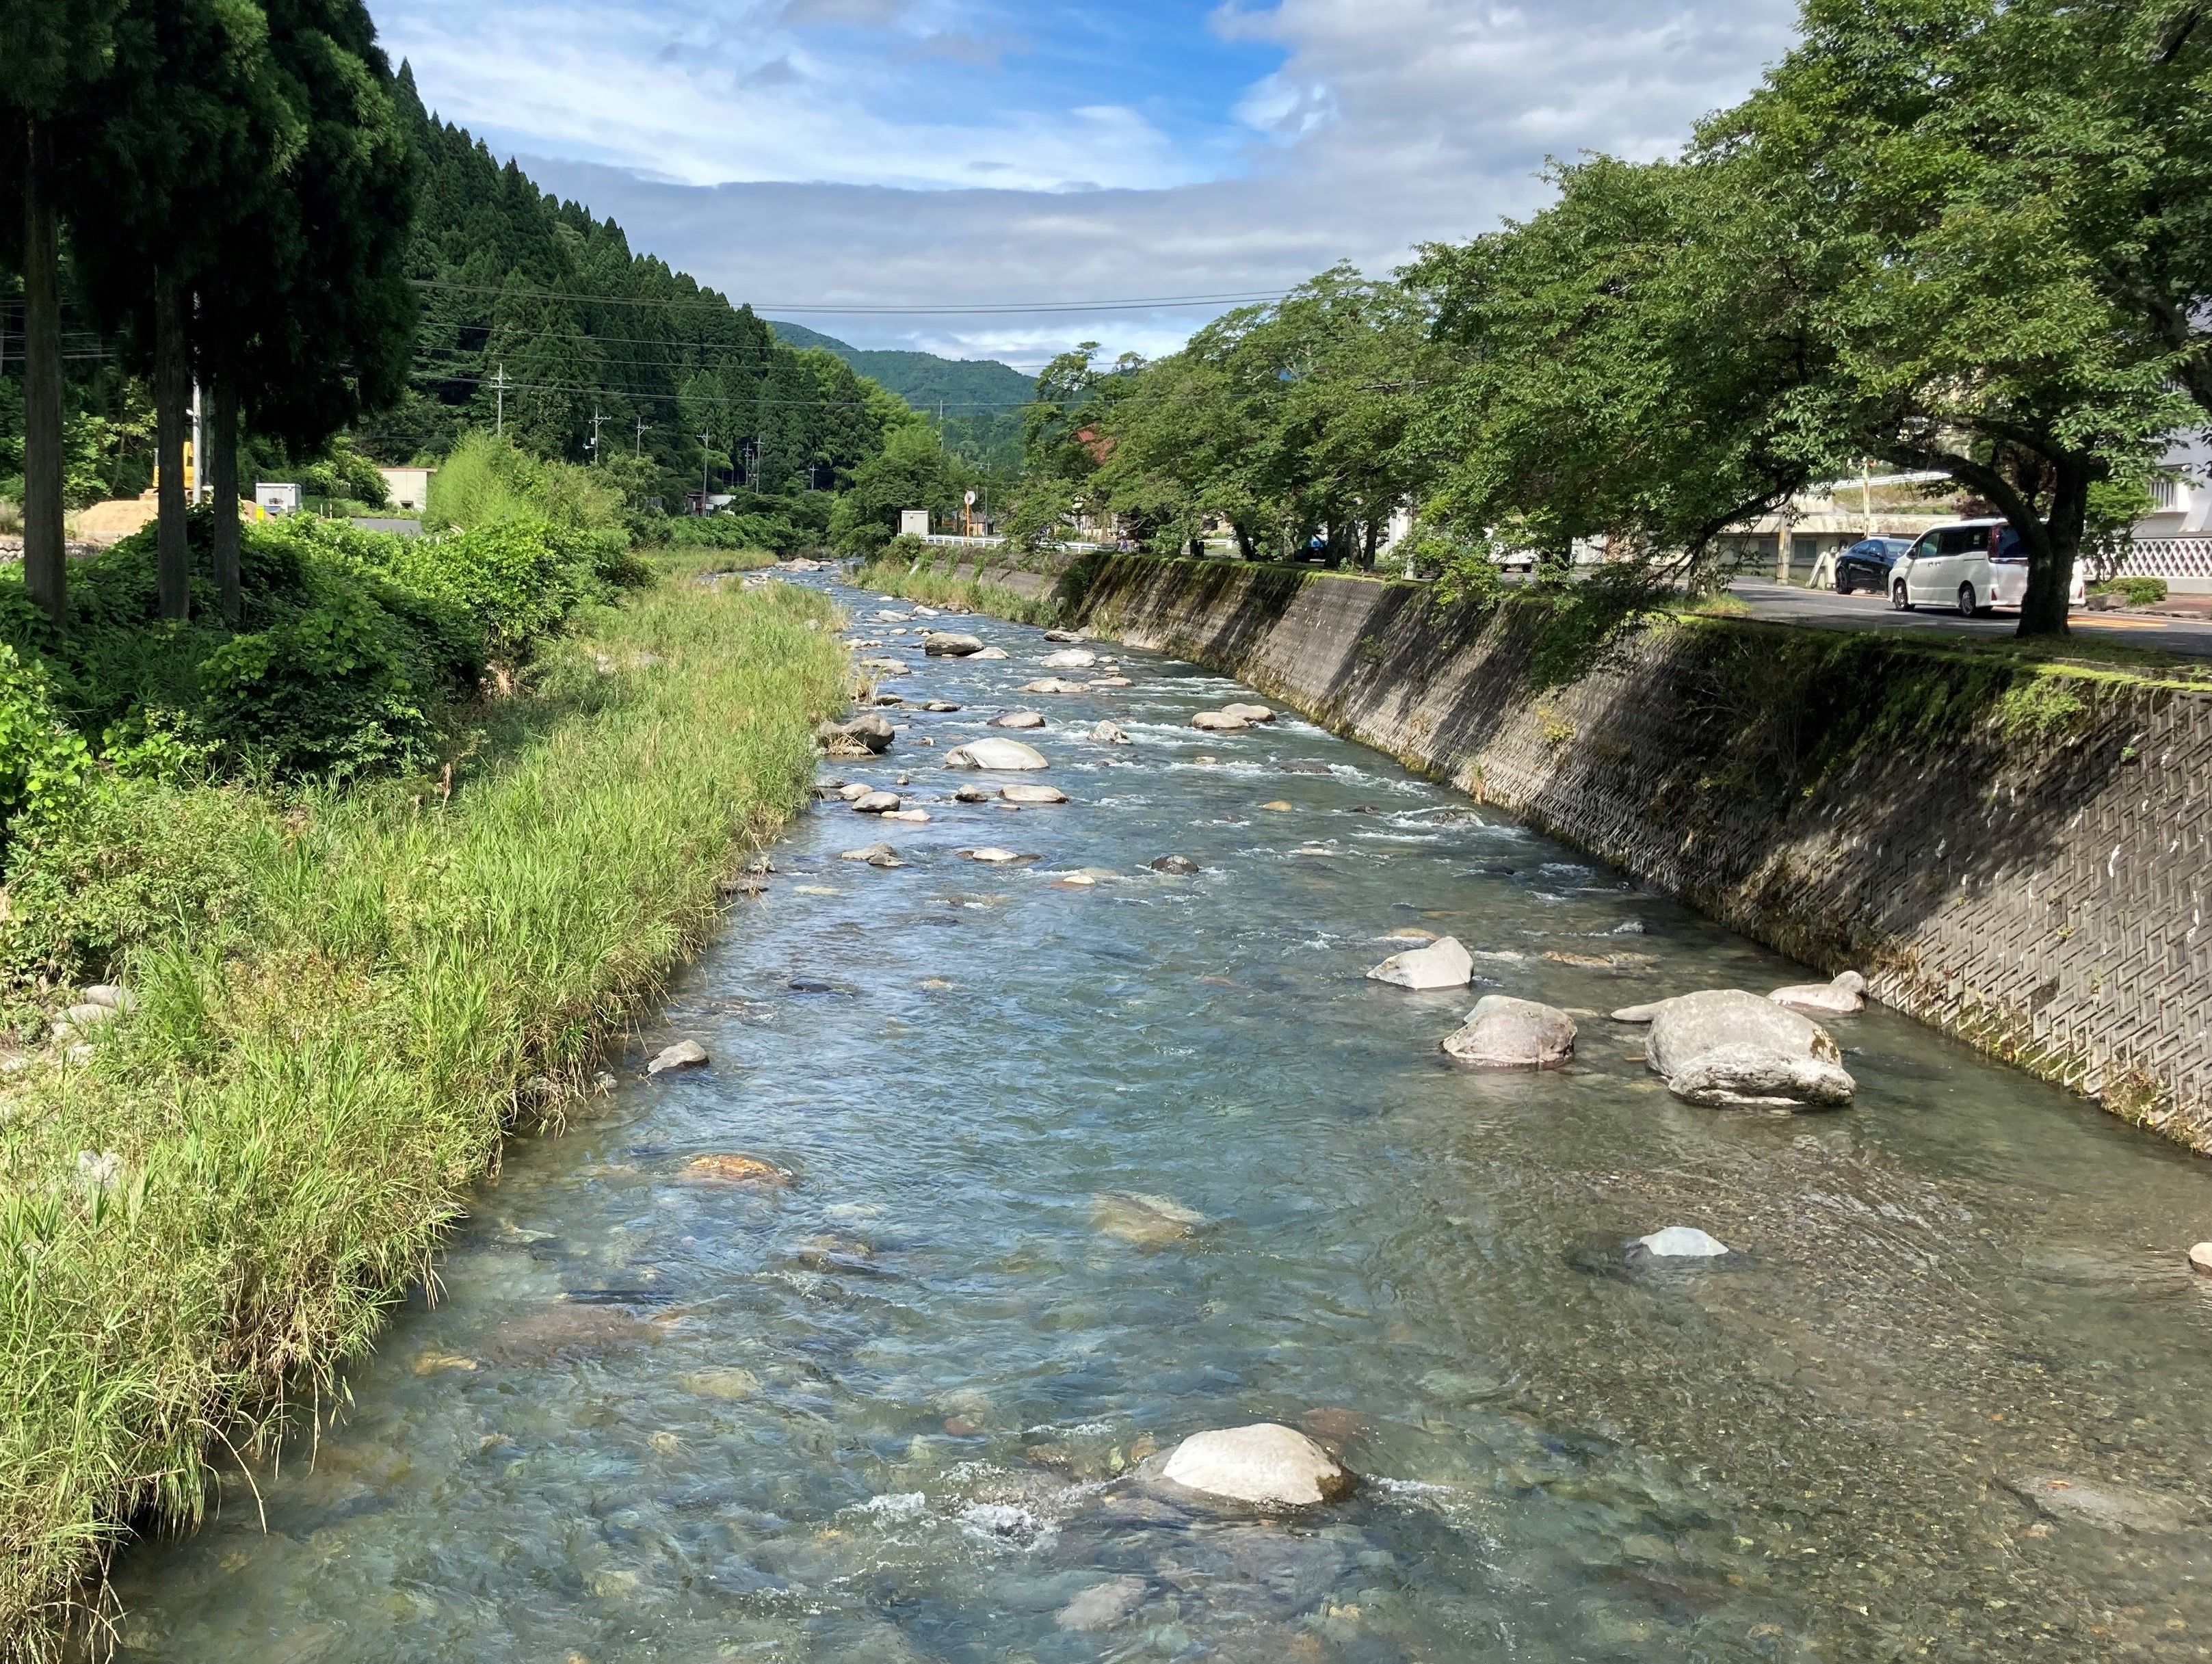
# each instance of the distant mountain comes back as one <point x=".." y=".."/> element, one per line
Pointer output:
<point x="982" y="398"/>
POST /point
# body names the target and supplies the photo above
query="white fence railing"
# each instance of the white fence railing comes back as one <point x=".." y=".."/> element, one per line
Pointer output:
<point x="2168" y="558"/>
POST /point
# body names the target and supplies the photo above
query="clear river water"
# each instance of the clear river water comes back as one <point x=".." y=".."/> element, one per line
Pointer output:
<point x="1079" y="1168"/>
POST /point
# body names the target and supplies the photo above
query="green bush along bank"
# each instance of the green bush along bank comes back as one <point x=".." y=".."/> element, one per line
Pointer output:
<point x="343" y="996"/>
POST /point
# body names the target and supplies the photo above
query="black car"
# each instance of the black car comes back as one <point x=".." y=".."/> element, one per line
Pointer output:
<point x="1865" y="565"/>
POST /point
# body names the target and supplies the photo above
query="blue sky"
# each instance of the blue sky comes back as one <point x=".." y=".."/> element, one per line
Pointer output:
<point x="949" y="153"/>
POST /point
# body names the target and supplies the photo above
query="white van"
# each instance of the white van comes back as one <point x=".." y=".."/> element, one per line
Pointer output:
<point x="1975" y="566"/>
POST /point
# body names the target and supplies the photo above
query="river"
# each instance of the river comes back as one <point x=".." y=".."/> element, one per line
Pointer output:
<point x="1079" y="1168"/>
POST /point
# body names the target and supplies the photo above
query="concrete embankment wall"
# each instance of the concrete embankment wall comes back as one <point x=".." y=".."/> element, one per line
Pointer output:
<point x="2017" y="859"/>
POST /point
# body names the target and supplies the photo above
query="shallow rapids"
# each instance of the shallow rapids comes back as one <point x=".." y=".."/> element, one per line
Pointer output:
<point x="1070" y="1170"/>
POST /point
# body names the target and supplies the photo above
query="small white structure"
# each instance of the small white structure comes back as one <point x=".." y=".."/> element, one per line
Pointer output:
<point x="276" y="497"/>
<point x="914" y="522"/>
<point x="408" y="488"/>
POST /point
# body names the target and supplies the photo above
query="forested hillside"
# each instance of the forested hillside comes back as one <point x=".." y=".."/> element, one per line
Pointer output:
<point x="978" y="401"/>
<point x="585" y="328"/>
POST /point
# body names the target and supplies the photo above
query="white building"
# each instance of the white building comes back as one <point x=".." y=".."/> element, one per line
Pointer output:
<point x="2174" y="540"/>
<point x="276" y="498"/>
<point x="408" y="488"/>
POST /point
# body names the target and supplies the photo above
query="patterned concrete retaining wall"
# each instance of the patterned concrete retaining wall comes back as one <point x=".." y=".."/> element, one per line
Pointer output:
<point x="2039" y="893"/>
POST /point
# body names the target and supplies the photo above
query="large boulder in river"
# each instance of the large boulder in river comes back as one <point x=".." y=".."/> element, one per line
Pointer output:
<point x="1219" y="722"/>
<point x="1111" y="733"/>
<point x="943" y="644"/>
<point x="1749" y="1077"/>
<point x="1075" y="658"/>
<point x="1442" y="964"/>
<point x="1249" y="712"/>
<point x="875" y="732"/>
<point x="1017" y="720"/>
<point x="1844" y="997"/>
<point x="1685" y="1029"/>
<point x="1265" y="1466"/>
<point x="1008" y="756"/>
<point x="1505" y="1033"/>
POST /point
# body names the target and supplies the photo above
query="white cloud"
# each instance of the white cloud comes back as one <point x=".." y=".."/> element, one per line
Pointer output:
<point x="1386" y="124"/>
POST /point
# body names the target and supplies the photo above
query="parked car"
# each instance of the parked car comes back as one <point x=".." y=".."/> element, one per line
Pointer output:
<point x="1866" y="564"/>
<point x="1975" y="566"/>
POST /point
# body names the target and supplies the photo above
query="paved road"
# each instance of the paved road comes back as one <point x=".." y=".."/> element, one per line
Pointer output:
<point x="1824" y="609"/>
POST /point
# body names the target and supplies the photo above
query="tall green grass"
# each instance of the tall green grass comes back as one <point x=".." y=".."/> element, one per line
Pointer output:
<point x="941" y="589"/>
<point x="213" y="1211"/>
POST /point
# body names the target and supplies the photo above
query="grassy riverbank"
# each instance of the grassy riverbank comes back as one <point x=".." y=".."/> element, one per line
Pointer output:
<point x="942" y="589"/>
<point x="361" y="994"/>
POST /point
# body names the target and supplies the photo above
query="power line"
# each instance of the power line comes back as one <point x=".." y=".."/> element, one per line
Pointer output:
<point x="857" y="309"/>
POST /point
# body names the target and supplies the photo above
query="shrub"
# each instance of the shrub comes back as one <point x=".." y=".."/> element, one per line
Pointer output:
<point x="2136" y="592"/>
<point x="487" y="481"/>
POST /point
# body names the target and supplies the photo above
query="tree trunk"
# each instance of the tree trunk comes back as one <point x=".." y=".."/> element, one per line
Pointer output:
<point x="46" y="572"/>
<point x="172" y="394"/>
<point x="2051" y="557"/>
<point x="1372" y="540"/>
<point x="221" y="435"/>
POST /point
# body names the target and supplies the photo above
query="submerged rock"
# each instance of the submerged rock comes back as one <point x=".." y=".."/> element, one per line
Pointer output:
<point x="1112" y="682"/>
<point x="971" y="794"/>
<point x="2108" y="1507"/>
<point x="1146" y="1220"/>
<point x="1443" y="964"/>
<point x="1505" y="1033"/>
<point x="1008" y="756"/>
<point x="941" y="708"/>
<point x="568" y="1331"/>
<point x="1844" y="997"/>
<point x="1181" y="866"/>
<point x="945" y="644"/>
<point x="683" y="1055"/>
<point x="736" y="1169"/>
<point x="1102" y="1606"/>
<point x="1111" y="733"/>
<point x="1267" y="1466"/>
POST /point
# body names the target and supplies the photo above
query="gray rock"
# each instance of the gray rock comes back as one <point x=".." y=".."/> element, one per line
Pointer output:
<point x="1180" y="866"/>
<point x="1053" y="684"/>
<point x="1844" y="997"/>
<point x="1070" y="635"/>
<point x="1754" y="1076"/>
<point x="1685" y="1030"/>
<point x="877" y="803"/>
<point x="683" y="1055"/>
<point x="1443" y="964"/>
<point x="1075" y="658"/>
<point x="1102" y="1606"/>
<point x="1680" y="1242"/>
<point x="1638" y="1013"/>
<point x="991" y="856"/>
<point x="2108" y="1507"/>
<point x="1111" y="733"/>
<point x="1113" y="682"/>
<point x="941" y="708"/>
<point x="111" y="993"/>
<point x="1505" y="1033"/>
<point x="1249" y="712"/>
<point x="880" y="855"/>
<point x="943" y="644"/>
<point x="991" y="653"/>
<point x="1007" y="756"/>
<point x="1266" y="1466"/>
<point x="1032" y="794"/>
<point x="853" y="791"/>
<point x="90" y="1015"/>
<point x="1148" y="1221"/>
<point x="1219" y="722"/>
<point x="1022" y="719"/>
<point x="971" y="794"/>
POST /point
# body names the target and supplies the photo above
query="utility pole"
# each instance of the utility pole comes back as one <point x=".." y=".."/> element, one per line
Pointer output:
<point x="500" y="383"/>
<point x="705" y="444"/>
<point x="596" y="419"/>
<point x="637" y="449"/>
